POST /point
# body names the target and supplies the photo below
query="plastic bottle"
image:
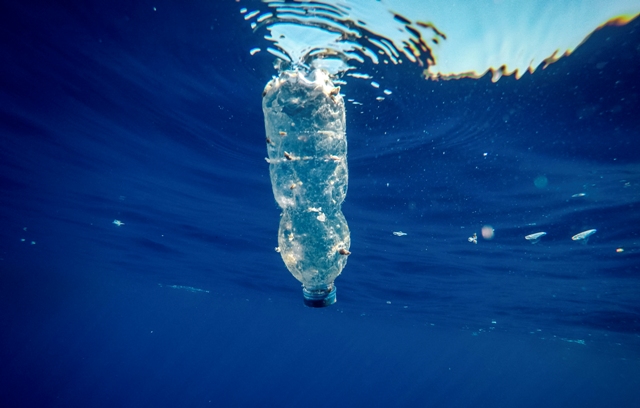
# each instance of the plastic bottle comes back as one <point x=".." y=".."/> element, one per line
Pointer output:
<point x="304" y="118"/>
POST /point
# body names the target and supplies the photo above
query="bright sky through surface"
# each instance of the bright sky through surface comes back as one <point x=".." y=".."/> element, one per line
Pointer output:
<point x="450" y="39"/>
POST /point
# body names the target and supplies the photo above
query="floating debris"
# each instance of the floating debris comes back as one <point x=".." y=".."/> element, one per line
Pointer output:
<point x="573" y="341"/>
<point x="251" y="14"/>
<point x="473" y="238"/>
<point x="488" y="232"/>
<point x="619" y="250"/>
<point x="187" y="288"/>
<point x="583" y="237"/>
<point x="399" y="233"/>
<point x="264" y="17"/>
<point x="579" y="195"/>
<point x="254" y="51"/>
<point x="359" y="75"/>
<point x="534" y="238"/>
<point x="118" y="223"/>
<point x="541" y="182"/>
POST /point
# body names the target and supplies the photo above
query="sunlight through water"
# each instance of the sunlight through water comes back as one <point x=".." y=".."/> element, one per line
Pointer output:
<point x="449" y="39"/>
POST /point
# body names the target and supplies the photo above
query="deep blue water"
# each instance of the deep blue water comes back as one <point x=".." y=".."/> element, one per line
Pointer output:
<point x="114" y="110"/>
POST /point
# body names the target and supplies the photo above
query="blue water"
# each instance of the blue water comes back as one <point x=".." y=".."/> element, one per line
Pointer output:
<point x="119" y="111"/>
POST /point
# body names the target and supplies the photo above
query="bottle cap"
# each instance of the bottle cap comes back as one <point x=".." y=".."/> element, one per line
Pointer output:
<point x="319" y="298"/>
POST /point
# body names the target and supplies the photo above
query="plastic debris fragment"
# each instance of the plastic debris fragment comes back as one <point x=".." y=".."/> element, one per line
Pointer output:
<point x="583" y="237"/>
<point x="534" y="238"/>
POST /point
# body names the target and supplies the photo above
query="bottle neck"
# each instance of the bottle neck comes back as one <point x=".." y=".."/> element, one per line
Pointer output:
<point x="322" y="297"/>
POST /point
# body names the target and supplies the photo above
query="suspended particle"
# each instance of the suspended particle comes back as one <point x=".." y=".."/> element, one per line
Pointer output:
<point x="583" y="237"/>
<point x="387" y="92"/>
<point x="380" y="98"/>
<point x="488" y="232"/>
<point x="252" y="15"/>
<point x="541" y="181"/>
<point x="399" y="233"/>
<point x="534" y="238"/>
<point x="264" y="17"/>
<point x="118" y="223"/>
<point x="619" y="250"/>
<point x="579" y="195"/>
<point x="375" y="84"/>
<point x="359" y="75"/>
<point x="473" y="239"/>
<point x="254" y="51"/>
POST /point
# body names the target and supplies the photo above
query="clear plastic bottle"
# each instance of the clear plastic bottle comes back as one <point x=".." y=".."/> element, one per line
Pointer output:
<point x="304" y="117"/>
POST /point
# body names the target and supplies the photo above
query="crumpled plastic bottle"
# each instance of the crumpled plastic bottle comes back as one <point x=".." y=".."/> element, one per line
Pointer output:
<point x="304" y="116"/>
